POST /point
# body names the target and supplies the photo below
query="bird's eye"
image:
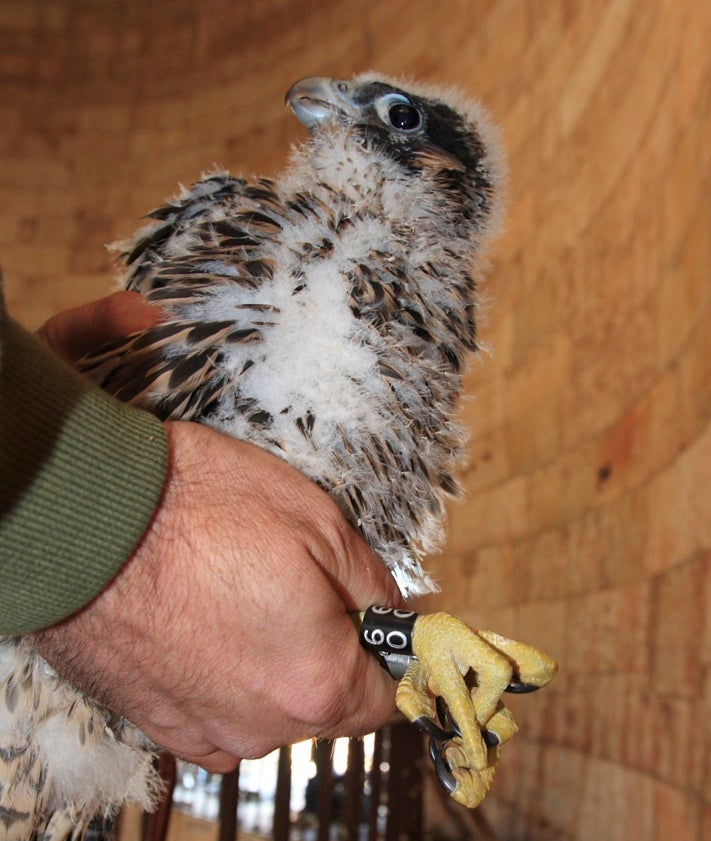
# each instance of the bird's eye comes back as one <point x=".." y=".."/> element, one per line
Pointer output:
<point x="398" y="112"/>
<point x="404" y="117"/>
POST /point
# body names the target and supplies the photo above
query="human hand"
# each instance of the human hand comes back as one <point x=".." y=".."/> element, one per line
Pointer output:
<point x="74" y="332"/>
<point x="227" y="634"/>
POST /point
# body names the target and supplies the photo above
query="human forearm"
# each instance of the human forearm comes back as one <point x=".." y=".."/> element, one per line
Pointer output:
<point x="81" y="478"/>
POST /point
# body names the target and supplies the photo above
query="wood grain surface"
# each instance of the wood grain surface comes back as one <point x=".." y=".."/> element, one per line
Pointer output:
<point x="586" y="526"/>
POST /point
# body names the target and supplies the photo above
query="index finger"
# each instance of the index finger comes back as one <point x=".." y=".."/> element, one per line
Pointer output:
<point x="359" y="576"/>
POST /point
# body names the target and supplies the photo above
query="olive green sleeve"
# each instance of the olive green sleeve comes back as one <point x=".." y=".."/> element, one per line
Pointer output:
<point x="81" y="478"/>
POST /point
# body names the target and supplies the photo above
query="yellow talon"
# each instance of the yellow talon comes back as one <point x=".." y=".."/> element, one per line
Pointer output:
<point x="532" y="667"/>
<point x="470" y="670"/>
<point x="502" y="725"/>
<point x="471" y="786"/>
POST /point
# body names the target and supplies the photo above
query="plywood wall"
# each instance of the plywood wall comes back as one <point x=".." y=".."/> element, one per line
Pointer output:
<point x="586" y="526"/>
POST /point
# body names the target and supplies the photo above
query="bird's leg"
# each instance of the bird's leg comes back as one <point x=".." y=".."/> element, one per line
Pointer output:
<point x="452" y="686"/>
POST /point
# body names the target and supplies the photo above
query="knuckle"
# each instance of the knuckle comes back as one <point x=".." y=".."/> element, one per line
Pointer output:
<point x="337" y="695"/>
<point x="330" y="705"/>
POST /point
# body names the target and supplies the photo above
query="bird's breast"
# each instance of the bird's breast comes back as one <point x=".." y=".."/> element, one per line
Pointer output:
<point x="314" y="372"/>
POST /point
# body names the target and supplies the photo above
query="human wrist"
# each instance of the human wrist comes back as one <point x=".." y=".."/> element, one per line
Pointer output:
<point x="83" y="475"/>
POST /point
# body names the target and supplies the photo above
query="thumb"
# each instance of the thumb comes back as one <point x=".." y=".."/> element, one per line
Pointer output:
<point x="75" y="332"/>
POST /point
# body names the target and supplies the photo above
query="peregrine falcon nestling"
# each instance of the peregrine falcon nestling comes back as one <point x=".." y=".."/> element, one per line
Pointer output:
<point x="324" y="316"/>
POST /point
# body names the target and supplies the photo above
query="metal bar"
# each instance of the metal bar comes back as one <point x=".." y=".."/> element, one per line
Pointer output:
<point x="355" y="777"/>
<point x="404" y="784"/>
<point x="229" y="800"/>
<point x="282" y="815"/>
<point x="155" y="824"/>
<point x="324" y="771"/>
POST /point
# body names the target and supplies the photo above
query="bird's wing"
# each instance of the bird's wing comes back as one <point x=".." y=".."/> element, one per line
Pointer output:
<point x="174" y="369"/>
<point x="219" y="235"/>
<point x="240" y="216"/>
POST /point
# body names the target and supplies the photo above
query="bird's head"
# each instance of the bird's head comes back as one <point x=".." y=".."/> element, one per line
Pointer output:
<point x="429" y="153"/>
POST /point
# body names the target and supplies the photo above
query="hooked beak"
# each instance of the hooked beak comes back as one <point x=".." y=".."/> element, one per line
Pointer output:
<point x="318" y="100"/>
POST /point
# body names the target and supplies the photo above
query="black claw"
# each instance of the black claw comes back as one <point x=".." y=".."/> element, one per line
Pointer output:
<point x="518" y="687"/>
<point x="444" y="772"/>
<point x="491" y="739"/>
<point x="433" y="749"/>
<point x="445" y="717"/>
<point x="433" y="730"/>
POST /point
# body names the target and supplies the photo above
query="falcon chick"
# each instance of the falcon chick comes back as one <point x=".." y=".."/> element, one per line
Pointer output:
<point x="324" y="316"/>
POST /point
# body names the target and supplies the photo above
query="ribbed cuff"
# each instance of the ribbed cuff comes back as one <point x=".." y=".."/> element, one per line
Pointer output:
<point x="82" y="475"/>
